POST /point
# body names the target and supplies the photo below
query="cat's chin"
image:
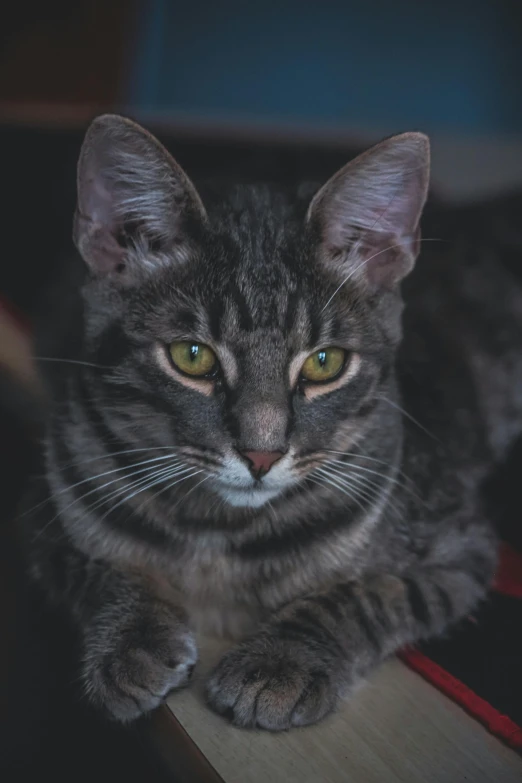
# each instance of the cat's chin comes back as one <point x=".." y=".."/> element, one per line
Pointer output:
<point x="246" y="498"/>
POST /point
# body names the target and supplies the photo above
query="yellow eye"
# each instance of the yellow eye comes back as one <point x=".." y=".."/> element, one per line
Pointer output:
<point x="193" y="358"/>
<point x="323" y="365"/>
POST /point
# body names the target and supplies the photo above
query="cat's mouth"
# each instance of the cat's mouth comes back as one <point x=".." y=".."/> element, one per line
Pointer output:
<point x="238" y="487"/>
<point x="254" y="496"/>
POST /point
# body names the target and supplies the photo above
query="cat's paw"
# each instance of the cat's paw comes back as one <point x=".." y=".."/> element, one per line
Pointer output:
<point x="133" y="661"/>
<point x="274" y="683"/>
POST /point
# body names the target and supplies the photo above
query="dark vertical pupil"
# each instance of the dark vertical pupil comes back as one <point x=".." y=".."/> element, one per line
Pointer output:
<point x="194" y="350"/>
<point x="321" y="358"/>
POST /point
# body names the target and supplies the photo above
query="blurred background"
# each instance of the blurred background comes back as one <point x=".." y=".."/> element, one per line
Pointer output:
<point x="337" y="72"/>
<point x="275" y="89"/>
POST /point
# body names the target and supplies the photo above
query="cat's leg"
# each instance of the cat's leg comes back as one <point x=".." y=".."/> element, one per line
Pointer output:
<point x="136" y="642"/>
<point x="317" y="649"/>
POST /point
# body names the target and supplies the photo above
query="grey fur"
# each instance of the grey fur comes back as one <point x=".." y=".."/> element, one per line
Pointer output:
<point x="370" y="533"/>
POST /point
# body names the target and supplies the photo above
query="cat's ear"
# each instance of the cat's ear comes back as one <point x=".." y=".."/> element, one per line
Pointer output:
<point x="134" y="204"/>
<point x="367" y="214"/>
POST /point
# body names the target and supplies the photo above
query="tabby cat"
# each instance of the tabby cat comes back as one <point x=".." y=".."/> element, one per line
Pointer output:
<point x="245" y="444"/>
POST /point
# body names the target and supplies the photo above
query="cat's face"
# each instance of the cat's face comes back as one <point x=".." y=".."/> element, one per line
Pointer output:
<point x="252" y="332"/>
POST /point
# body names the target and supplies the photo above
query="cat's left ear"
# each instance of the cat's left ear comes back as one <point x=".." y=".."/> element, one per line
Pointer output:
<point x="136" y="206"/>
<point x="367" y="215"/>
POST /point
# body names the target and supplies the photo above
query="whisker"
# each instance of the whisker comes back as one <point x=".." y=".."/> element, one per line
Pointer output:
<point x="361" y="469"/>
<point x="110" y="454"/>
<point x="367" y="486"/>
<point x="118" y="470"/>
<point x="366" y="260"/>
<point x="82" y="497"/>
<point x="92" y="478"/>
<point x="363" y="456"/>
<point x="72" y="361"/>
<point x="334" y="482"/>
<point x="322" y="482"/>
<point x="410" y="417"/>
<point x="126" y="498"/>
<point x="166" y="473"/>
<point x="189" y="469"/>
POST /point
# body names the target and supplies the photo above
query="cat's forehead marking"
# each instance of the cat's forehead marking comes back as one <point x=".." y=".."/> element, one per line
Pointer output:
<point x="228" y="364"/>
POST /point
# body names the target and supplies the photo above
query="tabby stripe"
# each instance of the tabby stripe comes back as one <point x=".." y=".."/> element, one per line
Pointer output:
<point x="315" y="328"/>
<point x="129" y="394"/>
<point x="246" y="322"/>
<point x="291" y="311"/>
<point x="188" y="320"/>
<point x="329" y="605"/>
<point x="119" y="519"/>
<point x="417" y="601"/>
<point x="134" y="525"/>
<point x="311" y="619"/>
<point x="307" y="628"/>
<point x="292" y="631"/>
<point x="109" y="440"/>
<point x="361" y="616"/>
<point x="215" y="312"/>
<point x="368" y="407"/>
<point x="298" y="536"/>
<point x="380" y="614"/>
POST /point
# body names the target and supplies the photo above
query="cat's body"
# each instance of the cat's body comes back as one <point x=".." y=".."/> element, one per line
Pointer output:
<point x="367" y="532"/>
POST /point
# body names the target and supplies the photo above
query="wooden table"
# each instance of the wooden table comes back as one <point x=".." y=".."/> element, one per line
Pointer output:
<point x="396" y="729"/>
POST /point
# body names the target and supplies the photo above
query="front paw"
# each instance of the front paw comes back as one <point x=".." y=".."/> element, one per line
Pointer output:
<point x="275" y="681"/>
<point x="133" y="660"/>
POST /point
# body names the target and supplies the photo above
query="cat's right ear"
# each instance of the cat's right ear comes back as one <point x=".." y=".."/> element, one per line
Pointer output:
<point x="135" y="204"/>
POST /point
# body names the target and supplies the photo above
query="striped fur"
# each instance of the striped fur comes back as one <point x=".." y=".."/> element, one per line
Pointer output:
<point x="369" y="534"/>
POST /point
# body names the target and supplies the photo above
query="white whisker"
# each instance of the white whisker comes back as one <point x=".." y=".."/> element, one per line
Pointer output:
<point x="340" y="485"/>
<point x="367" y="486"/>
<point x="72" y="361"/>
<point x="85" y="495"/>
<point x="131" y="473"/>
<point x="110" y="454"/>
<point x="354" y="468"/>
<point x="160" y="480"/>
<point x="366" y="260"/>
<point x="166" y="472"/>
<point x="409" y="416"/>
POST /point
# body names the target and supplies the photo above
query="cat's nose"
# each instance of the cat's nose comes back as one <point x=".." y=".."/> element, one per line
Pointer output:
<point x="260" y="462"/>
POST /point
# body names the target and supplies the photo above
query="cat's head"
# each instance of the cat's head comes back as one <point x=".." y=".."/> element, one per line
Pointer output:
<point x="252" y="330"/>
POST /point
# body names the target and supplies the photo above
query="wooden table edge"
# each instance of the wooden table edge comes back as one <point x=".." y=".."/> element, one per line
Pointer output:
<point x="178" y="752"/>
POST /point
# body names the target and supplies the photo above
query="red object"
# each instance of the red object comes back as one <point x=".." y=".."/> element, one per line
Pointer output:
<point x="508" y="579"/>
<point x="508" y="582"/>
<point x="498" y="724"/>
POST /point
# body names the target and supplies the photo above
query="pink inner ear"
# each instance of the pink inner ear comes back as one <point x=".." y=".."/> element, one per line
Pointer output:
<point x="97" y="203"/>
<point x="388" y="261"/>
<point x="96" y="223"/>
<point x="98" y="246"/>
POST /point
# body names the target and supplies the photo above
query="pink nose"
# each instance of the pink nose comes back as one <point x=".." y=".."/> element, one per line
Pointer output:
<point x="260" y="462"/>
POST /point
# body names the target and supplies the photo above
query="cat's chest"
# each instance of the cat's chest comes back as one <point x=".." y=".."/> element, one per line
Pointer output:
<point x="228" y="596"/>
<point x="219" y="592"/>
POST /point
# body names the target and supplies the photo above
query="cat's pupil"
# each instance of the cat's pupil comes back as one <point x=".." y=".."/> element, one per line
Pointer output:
<point x="193" y="352"/>
<point x="321" y="358"/>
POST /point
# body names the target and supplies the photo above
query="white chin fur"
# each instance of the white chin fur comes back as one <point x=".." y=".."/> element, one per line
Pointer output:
<point x="253" y="498"/>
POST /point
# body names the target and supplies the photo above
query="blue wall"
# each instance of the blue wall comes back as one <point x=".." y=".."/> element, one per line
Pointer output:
<point x="383" y="64"/>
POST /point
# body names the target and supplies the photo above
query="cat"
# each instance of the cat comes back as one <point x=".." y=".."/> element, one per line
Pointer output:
<point x="254" y="438"/>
